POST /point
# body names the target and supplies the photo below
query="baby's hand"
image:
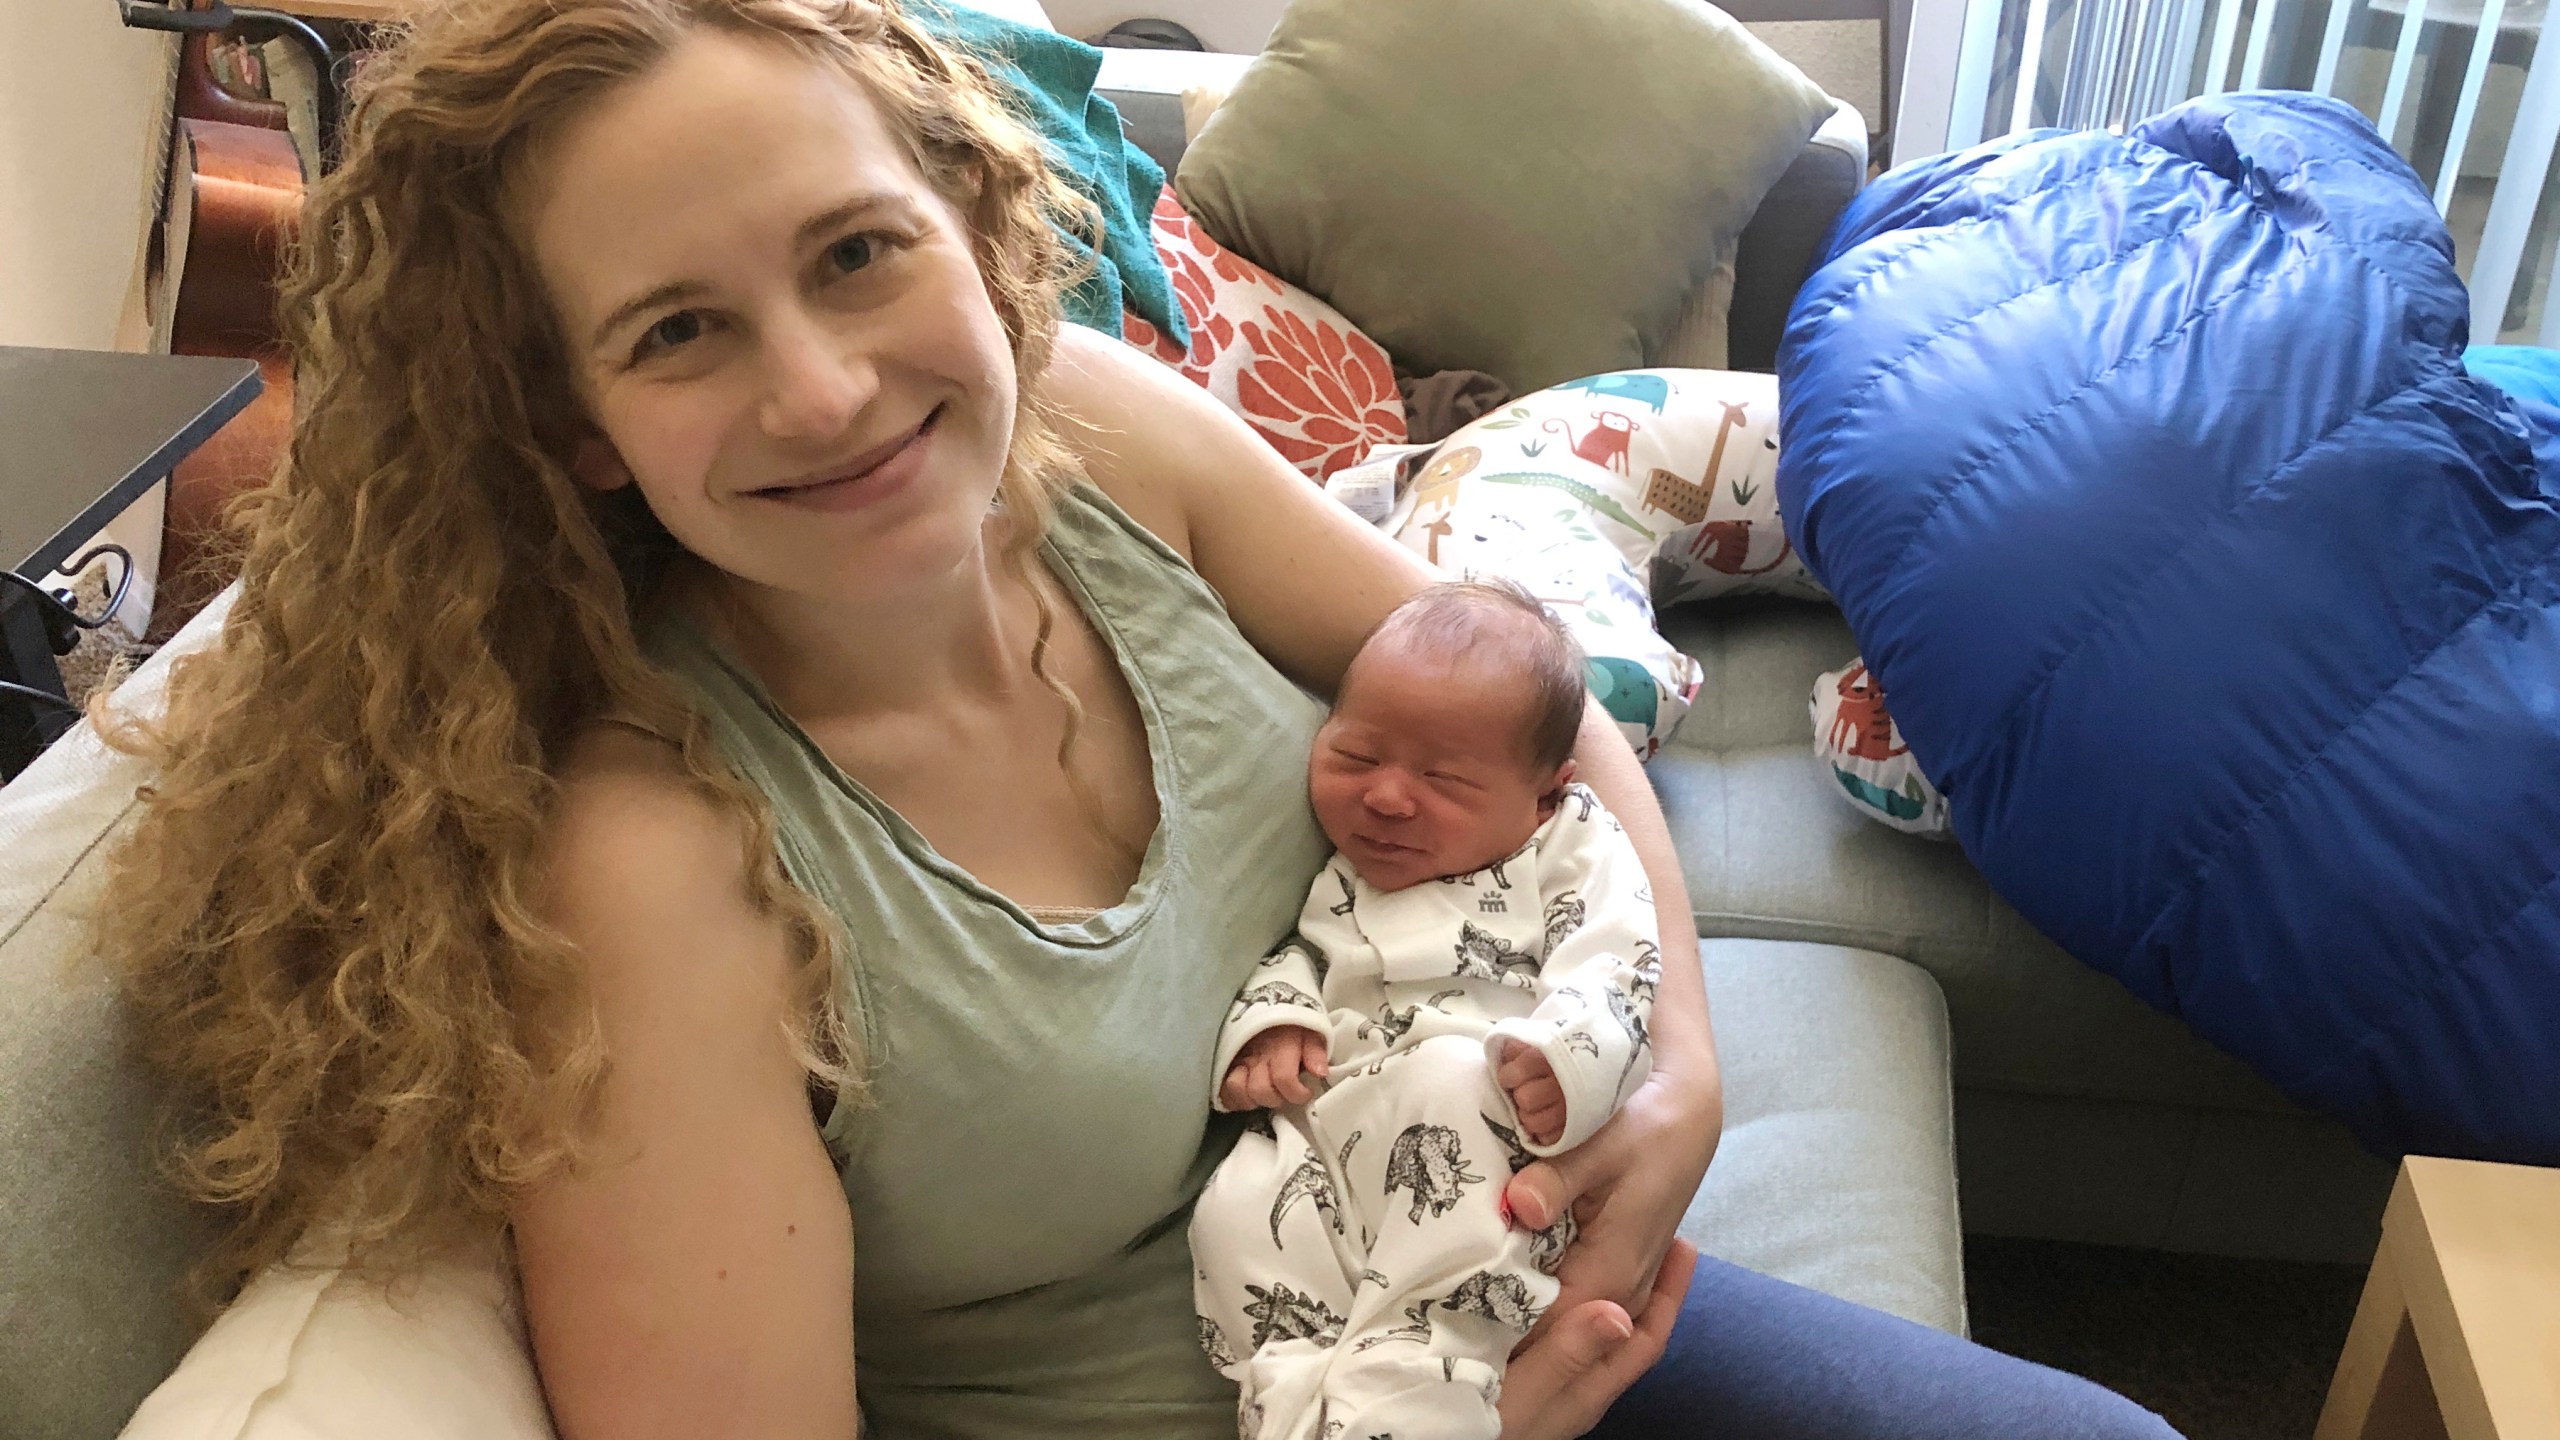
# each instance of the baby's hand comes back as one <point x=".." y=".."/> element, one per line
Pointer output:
<point x="1267" y="1071"/>
<point x="1525" y="1077"/>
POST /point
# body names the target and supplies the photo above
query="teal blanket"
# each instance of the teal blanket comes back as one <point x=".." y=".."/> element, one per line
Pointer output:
<point x="1050" y="79"/>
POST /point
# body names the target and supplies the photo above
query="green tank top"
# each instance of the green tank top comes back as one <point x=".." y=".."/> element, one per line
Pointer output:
<point x="1021" y="1180"/>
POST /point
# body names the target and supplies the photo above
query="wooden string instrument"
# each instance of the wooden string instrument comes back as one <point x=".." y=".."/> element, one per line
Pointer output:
<point x="235" y="204"/>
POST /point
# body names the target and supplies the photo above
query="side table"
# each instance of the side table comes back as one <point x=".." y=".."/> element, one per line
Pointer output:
<point x="2458" y="1333"/>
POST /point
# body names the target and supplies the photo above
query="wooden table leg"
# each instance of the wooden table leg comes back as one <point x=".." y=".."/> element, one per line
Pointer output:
<point x="2381" y="1391"/>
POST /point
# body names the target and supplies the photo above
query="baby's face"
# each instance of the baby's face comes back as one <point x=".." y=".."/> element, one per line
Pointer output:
<point x="1423" y="771"/>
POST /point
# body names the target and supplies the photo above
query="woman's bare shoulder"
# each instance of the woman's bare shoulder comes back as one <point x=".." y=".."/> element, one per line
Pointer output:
<point x="1137" y="428"/>
<point x="639" y="851"/>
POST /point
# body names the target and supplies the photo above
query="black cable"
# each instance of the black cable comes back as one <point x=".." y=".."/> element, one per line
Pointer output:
<point x="29" y="692"/>
<point x="60" y="609"/>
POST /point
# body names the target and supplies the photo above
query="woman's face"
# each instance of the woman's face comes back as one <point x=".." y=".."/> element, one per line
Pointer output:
<point x="777" y="325"/>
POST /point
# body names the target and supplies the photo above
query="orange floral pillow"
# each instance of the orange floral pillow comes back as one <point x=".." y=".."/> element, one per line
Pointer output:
<point x="1321" y="392"/>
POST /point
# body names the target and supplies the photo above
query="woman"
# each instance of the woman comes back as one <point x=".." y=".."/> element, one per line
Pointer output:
<point x="744" y="746"/>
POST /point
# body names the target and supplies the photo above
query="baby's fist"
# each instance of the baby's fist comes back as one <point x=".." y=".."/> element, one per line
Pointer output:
<point x="1531" y="1083"/>
<point x="1269" y="1071"/>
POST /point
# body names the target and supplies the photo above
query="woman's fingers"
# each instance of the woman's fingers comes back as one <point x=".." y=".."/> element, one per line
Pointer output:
<point x="1541" y="1194"/>
<point x="1670" y="1288"/>
<point x="1563" y="1382"/>
<point x="1596" y="1354"/>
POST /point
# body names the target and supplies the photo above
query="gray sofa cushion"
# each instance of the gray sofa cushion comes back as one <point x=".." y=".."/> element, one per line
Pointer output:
<point x="1837" y="1166"/>
<point x="92" y="1245"/>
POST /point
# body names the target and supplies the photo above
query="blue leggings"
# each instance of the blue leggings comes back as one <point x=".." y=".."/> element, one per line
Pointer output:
<point x="1759" y="1359"/>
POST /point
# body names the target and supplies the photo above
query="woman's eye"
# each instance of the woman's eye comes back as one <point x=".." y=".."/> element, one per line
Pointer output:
<point x="851" y="253"/>
<point x="680" y="328"/>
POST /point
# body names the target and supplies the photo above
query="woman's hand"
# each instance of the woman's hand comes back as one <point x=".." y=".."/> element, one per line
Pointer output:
<point x="1571" y="1371"/>
<point x="1628" y="1186"/>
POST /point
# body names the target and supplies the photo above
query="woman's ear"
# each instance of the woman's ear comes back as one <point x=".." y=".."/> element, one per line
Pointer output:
<point x="597" y="465"/>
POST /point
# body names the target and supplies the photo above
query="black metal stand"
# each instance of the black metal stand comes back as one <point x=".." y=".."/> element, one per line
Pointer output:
<point x="251" y="22"/>
<point x="33" y="711"/>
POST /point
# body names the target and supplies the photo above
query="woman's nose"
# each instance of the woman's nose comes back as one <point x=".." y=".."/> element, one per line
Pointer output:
<point x="816" y="382"/>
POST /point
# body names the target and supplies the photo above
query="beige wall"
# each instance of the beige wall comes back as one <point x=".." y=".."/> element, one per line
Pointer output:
<point x="81" y="119"/>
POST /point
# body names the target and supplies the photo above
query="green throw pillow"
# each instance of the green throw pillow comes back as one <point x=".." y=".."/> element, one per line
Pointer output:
<point x="1526" y="187"/>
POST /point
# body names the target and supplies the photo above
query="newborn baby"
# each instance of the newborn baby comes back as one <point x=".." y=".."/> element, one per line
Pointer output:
<point x="1467" y="989"/>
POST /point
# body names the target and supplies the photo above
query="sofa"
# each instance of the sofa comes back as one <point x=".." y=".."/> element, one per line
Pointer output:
<point x="1887" y="1028"/>
<point x="2082" y="1114"/>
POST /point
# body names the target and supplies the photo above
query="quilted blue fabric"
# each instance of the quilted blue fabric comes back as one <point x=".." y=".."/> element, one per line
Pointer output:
<point x="2222" y="602"/>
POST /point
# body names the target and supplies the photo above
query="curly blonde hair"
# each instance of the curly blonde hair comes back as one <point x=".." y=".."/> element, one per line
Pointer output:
<point x="327" y="922"/>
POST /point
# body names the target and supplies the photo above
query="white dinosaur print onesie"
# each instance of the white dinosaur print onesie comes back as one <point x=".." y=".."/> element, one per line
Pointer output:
<point x="1354" y="1270"/>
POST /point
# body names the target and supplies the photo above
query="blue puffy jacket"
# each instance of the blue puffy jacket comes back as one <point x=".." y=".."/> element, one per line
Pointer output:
<point x="2221" y="601"/>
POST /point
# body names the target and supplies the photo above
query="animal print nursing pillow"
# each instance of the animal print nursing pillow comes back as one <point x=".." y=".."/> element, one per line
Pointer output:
<point x="1872" y="768"/>
<point x="1604" y="496"/>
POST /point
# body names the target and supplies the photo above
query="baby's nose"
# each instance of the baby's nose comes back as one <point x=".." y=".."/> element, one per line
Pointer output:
<point x="1389" y="796"/>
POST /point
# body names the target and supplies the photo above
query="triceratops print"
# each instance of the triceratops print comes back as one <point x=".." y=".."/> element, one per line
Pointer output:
<point x="1281" y="1313"/>
<point x="1501" y="1298"/>
<point x="1308" y="1182"/>
<point x="1213" y="1343"/>
<point x="1564" y="916"/>
<point x="1274" y="992"/>
<point x="1483" y="955"/>
<point x="1430" y="1161"/>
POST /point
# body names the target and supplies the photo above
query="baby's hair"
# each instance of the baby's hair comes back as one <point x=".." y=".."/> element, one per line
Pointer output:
<point x="1498" y="623"/>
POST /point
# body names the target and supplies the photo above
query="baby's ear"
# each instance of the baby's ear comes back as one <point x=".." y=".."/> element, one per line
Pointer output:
<point x="1553" y="795"/>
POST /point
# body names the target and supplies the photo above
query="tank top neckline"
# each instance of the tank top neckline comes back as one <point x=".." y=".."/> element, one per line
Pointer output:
<point x="1072" y="926"/>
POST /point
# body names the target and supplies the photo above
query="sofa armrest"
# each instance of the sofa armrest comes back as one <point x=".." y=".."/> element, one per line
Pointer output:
<point x="1146" y="86"/>
<point x="1777" y="248"/>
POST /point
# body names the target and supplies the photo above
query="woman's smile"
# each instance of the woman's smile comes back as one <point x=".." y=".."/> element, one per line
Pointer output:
<point x="870" y="478"/>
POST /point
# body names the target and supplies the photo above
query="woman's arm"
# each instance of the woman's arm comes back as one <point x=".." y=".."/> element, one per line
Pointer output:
<point x="695" y="1276"/>
<point x="1636" y="1177"/>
